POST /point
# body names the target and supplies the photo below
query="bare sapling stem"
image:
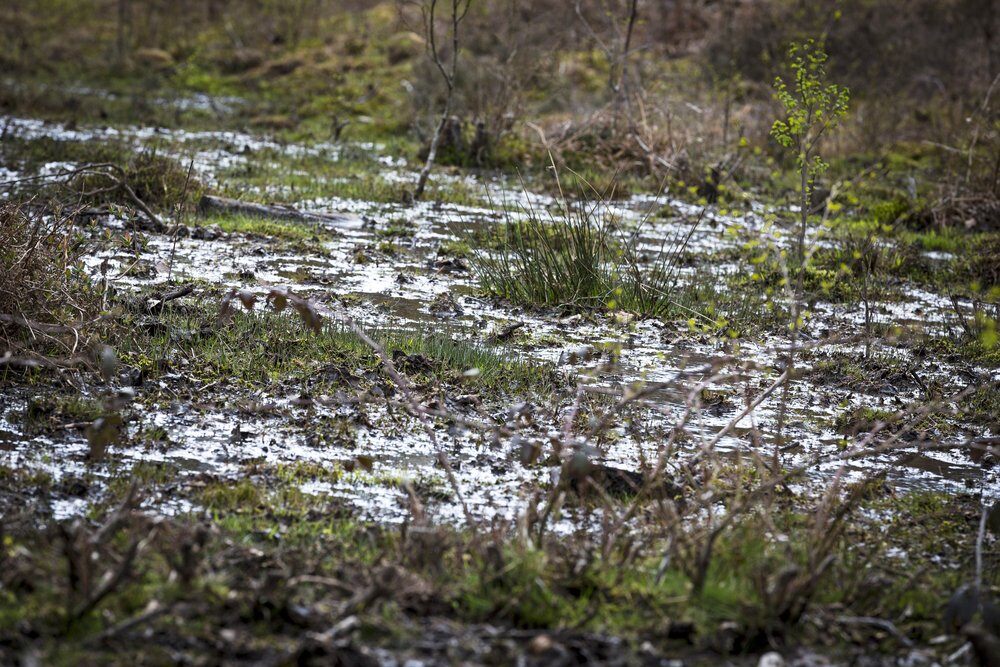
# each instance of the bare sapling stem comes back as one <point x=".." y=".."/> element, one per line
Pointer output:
<point x="459" y="9"/>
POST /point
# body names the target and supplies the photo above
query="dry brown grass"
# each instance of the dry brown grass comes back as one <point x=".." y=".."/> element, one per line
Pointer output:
<point x="44" y="293"/>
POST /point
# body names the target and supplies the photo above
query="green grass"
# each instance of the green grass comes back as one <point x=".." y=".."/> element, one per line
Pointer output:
<point x="862" y="419"/>
<point x="265" y="347"/>
<point x="397" y="228"/>
<point x="273" y="175"/>
<point x="578" y="259"/>
<point x="947" y="239"/>
<point x="159" y="181"/>
<point x="25" y="478"/>
<point x="983" y="405"/>
<point x="455" y="248"/>
<point x="953" y="347"/>
<point x="278" y="229"/>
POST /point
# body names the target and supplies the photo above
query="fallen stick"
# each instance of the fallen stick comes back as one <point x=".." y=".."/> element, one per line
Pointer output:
<point x="213" y="204"/>
<point x="156" y="306"/>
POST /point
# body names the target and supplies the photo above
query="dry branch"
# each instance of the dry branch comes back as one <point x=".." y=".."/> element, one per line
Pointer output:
<point x="227" y="206"/>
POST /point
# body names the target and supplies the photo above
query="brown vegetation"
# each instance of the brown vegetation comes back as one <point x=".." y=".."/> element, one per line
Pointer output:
<point x="46" y="298"/>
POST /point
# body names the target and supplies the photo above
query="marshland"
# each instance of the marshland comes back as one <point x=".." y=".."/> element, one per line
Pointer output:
<point x="438" y="332"/>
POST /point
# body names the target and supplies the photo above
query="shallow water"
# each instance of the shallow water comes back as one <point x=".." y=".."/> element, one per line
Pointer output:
<point x="397" y="292"/>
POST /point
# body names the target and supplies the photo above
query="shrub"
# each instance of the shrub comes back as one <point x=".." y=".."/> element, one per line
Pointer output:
<point x="158" y="181"/>
<point x="42" y="284"/>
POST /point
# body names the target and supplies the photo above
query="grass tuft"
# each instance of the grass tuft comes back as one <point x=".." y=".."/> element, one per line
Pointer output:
<point x="579" y="258"/>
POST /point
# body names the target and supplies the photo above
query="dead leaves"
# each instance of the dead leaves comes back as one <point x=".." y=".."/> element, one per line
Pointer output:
<point x="278" y="299"/>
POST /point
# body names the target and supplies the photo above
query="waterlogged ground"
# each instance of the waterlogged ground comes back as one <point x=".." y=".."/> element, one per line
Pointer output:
<point x="393" y="267"/>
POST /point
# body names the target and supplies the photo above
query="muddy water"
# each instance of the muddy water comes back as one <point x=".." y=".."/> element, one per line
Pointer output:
<point x="604" y="353"/>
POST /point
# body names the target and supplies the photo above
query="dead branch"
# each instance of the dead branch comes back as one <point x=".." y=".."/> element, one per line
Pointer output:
<point x="182" y="291"/>
<point x="227" y="206"/>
